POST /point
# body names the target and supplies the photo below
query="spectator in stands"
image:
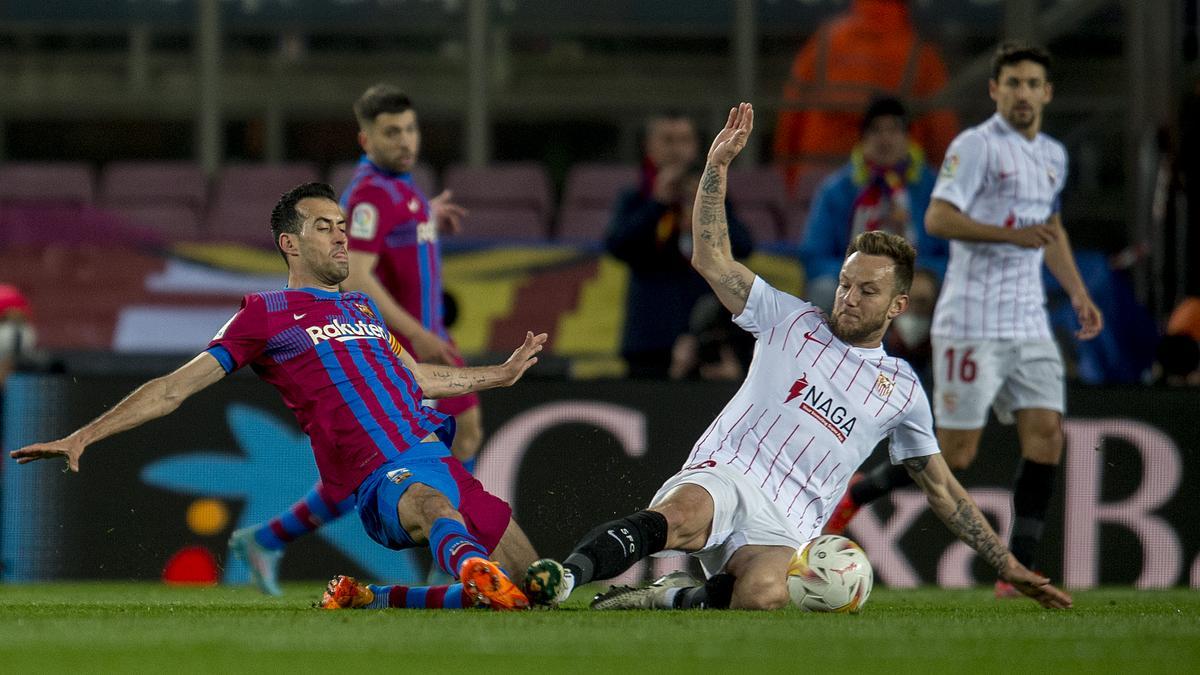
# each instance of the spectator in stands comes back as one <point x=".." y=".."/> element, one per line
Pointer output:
<point x="871" y="50"/>
<point x="17" y="336"/>
<point x="650" y="230"/>
<point x="885" y="186"/>
<point x="713" y="348"/>
<point x="1185" y="318"/>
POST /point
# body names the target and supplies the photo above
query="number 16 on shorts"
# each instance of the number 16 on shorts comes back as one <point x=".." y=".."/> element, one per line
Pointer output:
<point x="971" y="376"/>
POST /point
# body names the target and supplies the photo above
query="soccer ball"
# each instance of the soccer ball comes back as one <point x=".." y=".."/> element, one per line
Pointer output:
<point x="830" y="574"/>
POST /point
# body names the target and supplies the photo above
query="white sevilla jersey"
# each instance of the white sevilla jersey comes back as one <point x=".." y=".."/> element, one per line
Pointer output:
<point x="996" y="176"/>
<point x="811" y="410"/>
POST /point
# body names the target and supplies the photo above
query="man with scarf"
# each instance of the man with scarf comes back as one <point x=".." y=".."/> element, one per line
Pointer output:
<point x="885" y="186"/>
<point x="650" y="231"/>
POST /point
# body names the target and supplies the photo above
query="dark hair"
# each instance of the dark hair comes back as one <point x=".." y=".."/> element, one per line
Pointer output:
<point x="892" y="246"/>
<point x="1012" y="53"/>
<point x="884" y="106"/>
<point x="285" y="218"/>
<point x="380" y="99"/>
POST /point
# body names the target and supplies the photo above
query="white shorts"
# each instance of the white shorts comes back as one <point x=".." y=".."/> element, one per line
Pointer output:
<point x="742" y="516"/>
<point x="1008" y="375"/>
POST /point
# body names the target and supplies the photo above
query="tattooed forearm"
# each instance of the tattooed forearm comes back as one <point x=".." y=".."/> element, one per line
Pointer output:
<point x="712" y="182"/>
<point x="916" y="464"/>
<point x="737" y="284"/>
<point x="438" y="381"/>
<point x="968" y="525"/>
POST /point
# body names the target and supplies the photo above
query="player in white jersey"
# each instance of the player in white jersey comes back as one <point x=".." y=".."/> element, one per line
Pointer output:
<point x="997" y="200"/>
<point x="818" y="397"/>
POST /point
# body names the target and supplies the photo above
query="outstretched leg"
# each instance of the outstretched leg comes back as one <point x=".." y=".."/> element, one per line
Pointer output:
<point x="261" y="546"/>
<point x="680" y="521"/>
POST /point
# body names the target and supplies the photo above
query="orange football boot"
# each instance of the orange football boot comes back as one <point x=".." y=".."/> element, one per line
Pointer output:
<point x="343" y="592"/>
<point x="487" y="585"/>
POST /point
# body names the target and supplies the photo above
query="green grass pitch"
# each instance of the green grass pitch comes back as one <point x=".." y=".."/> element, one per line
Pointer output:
<point x="144" y="627"/>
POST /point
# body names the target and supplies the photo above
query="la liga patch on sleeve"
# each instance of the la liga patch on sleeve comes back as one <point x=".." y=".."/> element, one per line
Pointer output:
<point x="364" y="221"/>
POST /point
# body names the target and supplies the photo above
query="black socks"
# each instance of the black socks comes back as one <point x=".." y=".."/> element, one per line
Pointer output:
<point x="615" y="546"/>
<point x="878" y="482"/>
<point x="1031" y="497"/>
<point x="716" y="593"/>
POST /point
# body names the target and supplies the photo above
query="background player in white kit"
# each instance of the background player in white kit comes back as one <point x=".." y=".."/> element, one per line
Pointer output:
<point x="997" y="200"/>
<point x="819" y="395"/>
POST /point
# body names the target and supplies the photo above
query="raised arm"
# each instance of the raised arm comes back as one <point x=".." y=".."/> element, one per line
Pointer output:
<point x="438" y="381"/>
<point x="711" y="254"/>
<point x="950" y="501"/>
<point x="154" y="399"/>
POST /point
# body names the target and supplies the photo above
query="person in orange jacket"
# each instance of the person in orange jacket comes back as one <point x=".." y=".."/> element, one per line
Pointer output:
<point x="870" y="50"/>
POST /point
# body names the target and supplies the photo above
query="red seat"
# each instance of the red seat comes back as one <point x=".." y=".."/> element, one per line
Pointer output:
<point x="245" y="194"/>
<point x="583" y="224"/>
<point x="159" y="183"/>
<point x="239" y="182"/>
<point x="507" y="186"/>
<point x="591" y="192"/>
<point x="60" y="182"/>
<point x="171" y="221"/>
<point x="760" y="198"/>
<point x="504" y="223"/>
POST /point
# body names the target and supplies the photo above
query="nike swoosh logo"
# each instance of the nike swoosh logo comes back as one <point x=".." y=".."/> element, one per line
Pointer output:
<point x="809" y="336"/>
<point x="297" y="317"/>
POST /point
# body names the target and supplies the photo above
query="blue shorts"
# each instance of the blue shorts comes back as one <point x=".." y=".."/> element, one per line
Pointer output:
<point x="431" y="464"/>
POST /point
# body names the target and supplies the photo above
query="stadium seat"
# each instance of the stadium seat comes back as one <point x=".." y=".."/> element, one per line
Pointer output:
<point x="760" y="199"/>
<point x="143" y="184"/>
<point x="240" y="210"/>
<point x="591" y="191"/>
<point x="59" y="182"/>
<point x="504" y="186"/>
<point x="172" y="221"/>
<point x="500" y="223"/>
<point x="424" y="176"/>
<point x="240" y="182"/>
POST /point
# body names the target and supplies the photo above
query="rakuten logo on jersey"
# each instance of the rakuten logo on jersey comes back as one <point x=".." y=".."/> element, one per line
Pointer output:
<point x="342" y="332"/>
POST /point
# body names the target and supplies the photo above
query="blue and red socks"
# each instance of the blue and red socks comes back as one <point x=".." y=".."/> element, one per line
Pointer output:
<point x="305" y="516"/>
<point x="451" y="544"/>
<point x="419" y="597"/>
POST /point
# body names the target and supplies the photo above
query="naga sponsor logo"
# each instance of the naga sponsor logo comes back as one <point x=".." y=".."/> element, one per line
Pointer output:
<point x="343" y="332"/>
<point x="821" y="406"/>
<point x="798" y="386"/>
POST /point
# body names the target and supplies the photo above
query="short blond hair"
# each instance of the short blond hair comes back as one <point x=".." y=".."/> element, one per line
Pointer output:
<point x="891" y="246"/>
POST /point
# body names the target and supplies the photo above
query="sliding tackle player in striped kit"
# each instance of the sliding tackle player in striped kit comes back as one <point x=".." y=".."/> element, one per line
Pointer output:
<point x="997" y="200"/>
<point x="358" y="396"/>
<point x="818" y="397"/>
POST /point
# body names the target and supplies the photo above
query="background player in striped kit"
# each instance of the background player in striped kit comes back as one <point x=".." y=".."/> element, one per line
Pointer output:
<point x="395" y="259"/>
<point x="997" y="199"/>
<point x="359" y="399"/>
<point x="820" y="394"/>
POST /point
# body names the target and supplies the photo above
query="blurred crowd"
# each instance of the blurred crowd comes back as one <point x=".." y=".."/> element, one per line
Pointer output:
<point x="861" y="115"/>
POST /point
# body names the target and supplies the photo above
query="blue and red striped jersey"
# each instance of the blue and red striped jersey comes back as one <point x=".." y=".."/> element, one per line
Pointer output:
<point x="330" y="356"/>
<point x="390" y="217"/>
